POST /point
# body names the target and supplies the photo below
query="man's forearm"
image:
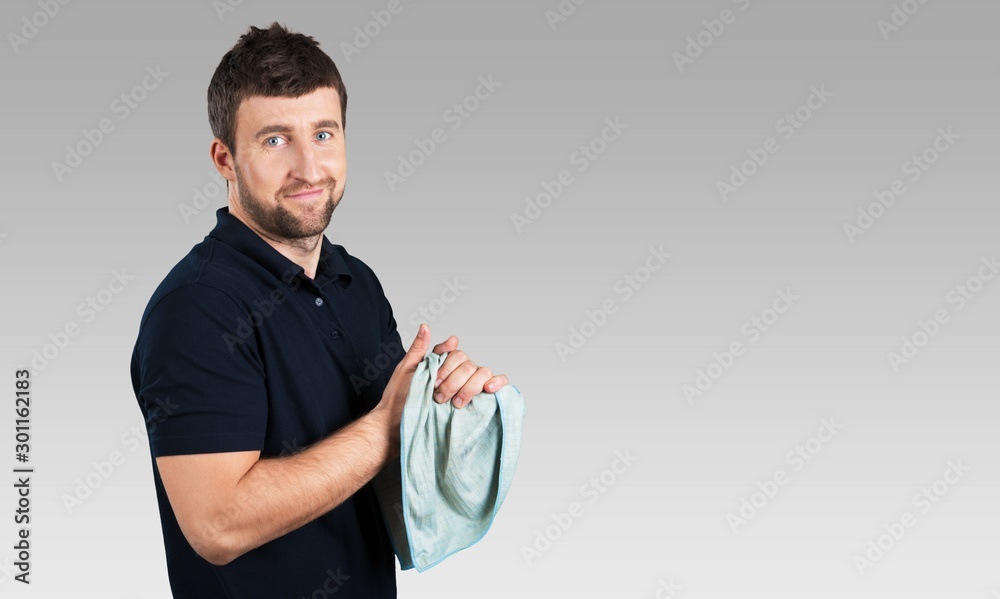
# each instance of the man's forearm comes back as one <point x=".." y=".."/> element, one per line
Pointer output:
<point x="278" y="495"/>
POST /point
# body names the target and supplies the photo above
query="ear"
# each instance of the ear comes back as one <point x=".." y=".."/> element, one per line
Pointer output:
<point x="223" y="159"/>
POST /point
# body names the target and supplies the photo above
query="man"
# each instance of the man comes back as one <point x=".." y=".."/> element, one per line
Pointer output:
<point x="256" y="363"/>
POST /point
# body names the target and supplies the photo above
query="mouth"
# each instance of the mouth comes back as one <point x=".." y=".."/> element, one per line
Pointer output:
<point x="309" y="195"/>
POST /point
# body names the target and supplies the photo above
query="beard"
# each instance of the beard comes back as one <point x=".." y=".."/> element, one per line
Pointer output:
<point x="278" y="221"/>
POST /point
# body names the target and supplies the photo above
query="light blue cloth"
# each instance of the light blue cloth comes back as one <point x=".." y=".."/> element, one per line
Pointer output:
<point x="454" y="469"/>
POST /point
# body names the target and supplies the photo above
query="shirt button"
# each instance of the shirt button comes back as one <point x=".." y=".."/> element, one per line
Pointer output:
<point x="335" y="334"/>
<point x="319" y="301"/>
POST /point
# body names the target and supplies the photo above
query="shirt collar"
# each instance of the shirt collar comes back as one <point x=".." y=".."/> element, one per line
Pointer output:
<point x="236" y="234"/>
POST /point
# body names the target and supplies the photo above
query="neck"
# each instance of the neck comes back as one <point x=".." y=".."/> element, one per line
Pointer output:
<point x="303" y="251"/>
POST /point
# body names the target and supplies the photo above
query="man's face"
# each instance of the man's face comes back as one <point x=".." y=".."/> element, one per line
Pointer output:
<point x="290" y="164"/>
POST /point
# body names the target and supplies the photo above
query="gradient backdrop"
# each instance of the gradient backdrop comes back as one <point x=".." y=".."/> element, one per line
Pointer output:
<point x="702" y="304"/>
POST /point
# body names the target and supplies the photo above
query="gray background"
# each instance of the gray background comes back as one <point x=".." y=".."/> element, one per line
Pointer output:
<point x="665" y="517"/>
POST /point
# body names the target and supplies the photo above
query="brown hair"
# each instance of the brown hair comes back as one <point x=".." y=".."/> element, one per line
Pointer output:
<point x="268" y="62"/>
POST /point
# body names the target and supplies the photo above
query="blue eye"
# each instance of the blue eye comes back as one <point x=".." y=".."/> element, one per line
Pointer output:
<point x="270" y="139"/>
<point x="327" y="133"/>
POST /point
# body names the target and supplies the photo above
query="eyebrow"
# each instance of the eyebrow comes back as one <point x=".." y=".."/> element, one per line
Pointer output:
<point x="325" y="124"/>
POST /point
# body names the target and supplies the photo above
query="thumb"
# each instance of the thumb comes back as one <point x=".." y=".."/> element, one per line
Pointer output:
<point x="417" y="351"/>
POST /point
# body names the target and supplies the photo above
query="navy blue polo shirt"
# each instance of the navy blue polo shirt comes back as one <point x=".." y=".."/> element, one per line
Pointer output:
<point x="238" y="350"/>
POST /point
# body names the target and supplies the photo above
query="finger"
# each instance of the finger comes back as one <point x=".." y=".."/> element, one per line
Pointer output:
<point x="472" y="387"/>
<point x="455" y="357"/>
<point x="449" y="344"/>
<point x="417" y="351"/>
<point x="495" y="383"/>
<point x="454" y="380"/>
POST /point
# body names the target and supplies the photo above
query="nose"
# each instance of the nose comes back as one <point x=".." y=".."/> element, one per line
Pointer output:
<point x="306" y="166"/>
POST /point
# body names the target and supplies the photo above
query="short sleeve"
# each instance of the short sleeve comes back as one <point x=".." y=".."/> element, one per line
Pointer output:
<point x="390" y="335"/>
<point x="392" y="345"/>
<point x="198" y="375"/>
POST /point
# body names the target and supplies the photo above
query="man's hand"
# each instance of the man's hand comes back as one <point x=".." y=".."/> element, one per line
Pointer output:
<point x="390" y="409"/>
<point x="459" y="378"/>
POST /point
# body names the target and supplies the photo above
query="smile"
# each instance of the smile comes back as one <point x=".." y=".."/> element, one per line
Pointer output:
<point x="309" y="195"/>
